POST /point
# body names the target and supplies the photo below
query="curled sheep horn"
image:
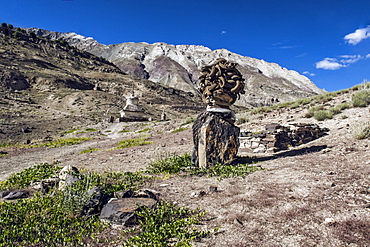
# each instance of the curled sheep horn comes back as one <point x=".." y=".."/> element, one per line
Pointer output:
<point x="221" y="82"/>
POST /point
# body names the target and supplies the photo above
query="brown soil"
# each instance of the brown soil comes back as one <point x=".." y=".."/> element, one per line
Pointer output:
<point x="317" y="194"/>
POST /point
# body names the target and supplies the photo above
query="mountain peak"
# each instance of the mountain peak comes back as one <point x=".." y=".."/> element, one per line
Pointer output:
<point x="264" y="80"/>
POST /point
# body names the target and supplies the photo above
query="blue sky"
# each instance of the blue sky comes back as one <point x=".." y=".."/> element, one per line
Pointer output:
<point x="327" y="40"/>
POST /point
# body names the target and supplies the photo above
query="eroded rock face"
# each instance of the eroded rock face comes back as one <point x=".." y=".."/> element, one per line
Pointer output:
<point x="215" y="140"/>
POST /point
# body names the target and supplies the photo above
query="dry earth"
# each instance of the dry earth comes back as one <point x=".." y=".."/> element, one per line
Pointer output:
<point x="317" y="194"/>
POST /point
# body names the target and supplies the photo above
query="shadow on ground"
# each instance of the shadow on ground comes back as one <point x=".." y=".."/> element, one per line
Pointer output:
<point x="296" y="152"/>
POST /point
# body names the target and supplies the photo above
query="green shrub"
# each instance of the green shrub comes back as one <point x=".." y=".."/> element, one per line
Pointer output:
<point x="335" y="110"/>
<point x="311" y="112"/>
<point x="361" y="131"/>
<point x="343" y="106"/>
<point x="322" y="115"/>
<point x="45" y="220"/>
<point x="361" y="98"/>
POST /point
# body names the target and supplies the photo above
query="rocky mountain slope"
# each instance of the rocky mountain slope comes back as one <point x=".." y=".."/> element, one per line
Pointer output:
<point x="48" y="86"/>
<point x="179" y="67"/>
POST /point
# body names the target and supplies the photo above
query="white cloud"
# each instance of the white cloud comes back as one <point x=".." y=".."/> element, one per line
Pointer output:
<point x="340" y="62"/>
<point x="308" y="73"/>
<point x="223" y="32"/>
<point x="358" y="35"/>
<point x="329" y="64"/>
<point x="347" y="59"/>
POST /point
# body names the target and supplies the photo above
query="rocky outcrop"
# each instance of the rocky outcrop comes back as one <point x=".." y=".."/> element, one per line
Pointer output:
<point x="179" y="66"/>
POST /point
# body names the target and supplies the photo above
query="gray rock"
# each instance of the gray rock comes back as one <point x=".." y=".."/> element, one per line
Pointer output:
<point x="122" y="211"/>
<point x="67" y="176"/>
<point x="17" y="195"/>
<point x="215" y="140"/>
<point x="96" y="200"/>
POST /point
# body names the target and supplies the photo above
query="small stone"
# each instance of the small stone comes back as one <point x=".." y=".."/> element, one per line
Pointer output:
<point x="17" y="195"/>
<point x="329" y="221"/>
<point x="164" y="185"/>
<point x="213" y="188"/>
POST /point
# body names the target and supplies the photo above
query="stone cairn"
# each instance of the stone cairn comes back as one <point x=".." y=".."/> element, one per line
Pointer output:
<point x="216" y="138"/>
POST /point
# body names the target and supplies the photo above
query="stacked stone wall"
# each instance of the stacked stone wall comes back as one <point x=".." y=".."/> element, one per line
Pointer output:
<point x="276" y="137"/>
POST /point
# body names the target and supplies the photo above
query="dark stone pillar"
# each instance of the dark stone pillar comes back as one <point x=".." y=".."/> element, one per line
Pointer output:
<point x="216" y="139"/>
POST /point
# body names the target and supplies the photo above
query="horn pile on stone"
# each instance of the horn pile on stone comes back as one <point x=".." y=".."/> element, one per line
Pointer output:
<point x="220" y="84"/>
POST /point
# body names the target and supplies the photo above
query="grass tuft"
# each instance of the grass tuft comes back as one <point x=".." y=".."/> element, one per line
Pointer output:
<point x="179" y="130"/>
<point x="361" y="131"/>
<point x="89" y="150"/>
<point x="60" y="142"/>
<point x="133" y="142"/>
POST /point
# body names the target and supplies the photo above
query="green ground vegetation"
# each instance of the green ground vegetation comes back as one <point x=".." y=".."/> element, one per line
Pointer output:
<point x="133" y="142"/>
<point x="60" y="142"/>
<point x="54" y="218"/>
<point x="179" y="130"/>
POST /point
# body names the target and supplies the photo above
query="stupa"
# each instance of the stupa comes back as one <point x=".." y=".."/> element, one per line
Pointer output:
<point x="132" y="111"/>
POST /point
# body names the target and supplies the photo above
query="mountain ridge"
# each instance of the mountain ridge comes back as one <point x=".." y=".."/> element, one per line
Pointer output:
<point x="265" y="82"/>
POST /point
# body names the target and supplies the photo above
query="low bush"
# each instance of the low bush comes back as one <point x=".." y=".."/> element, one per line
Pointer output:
<point x="361" y="98"/>
<point x="361" y="130"/>
<point x="322" y="115"/>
